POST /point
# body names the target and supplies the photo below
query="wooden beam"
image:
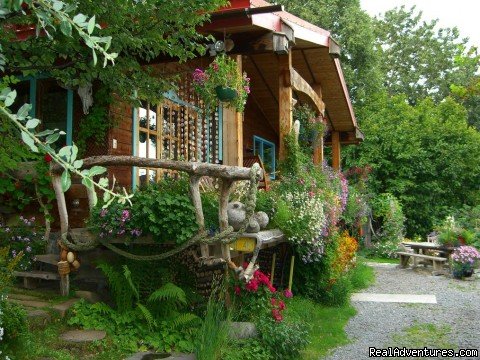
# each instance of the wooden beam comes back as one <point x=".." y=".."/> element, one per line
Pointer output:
<point x="336" y="164"/>
<point x="233" y="131"/>
<point x="301" y="85"/>
<point x="285" y="105"/>
<point x="318" y="144"/>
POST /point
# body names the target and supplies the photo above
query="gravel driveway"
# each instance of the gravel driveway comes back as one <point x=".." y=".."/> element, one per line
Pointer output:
<point x="453" y="322"/>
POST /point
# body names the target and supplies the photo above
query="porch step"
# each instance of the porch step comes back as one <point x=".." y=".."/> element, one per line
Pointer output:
<point x="51" y="259"/>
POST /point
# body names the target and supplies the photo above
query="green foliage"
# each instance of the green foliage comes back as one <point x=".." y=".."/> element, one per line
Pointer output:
<point x="326" y="325"/>
<point x="132" y="43"/>
<point x="13" y="320"/>
<point x="284" y="340"/>
<point x="165" y="211"/>
<point x="8" y="264"/>
<point x="212" y="337"/>
<point x="386" y="249"/>
<point x="161" y="321"/>
<point x="95" y="125"/>
<point x="23" y="237"/>
<point x="312" y="129"/>
<point x="388" y="217"/>
<point x="222" y="72"/>
<point x="424" y="155"/>
<point x="251" y="349"/>
<point x="419" y="58"/>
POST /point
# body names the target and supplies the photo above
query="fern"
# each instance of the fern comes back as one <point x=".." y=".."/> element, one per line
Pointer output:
<point x="123" y="294"/>
<point x="147" y="315"/>
<point x="168" y="292"/>
<point x="184" y="319"/>
<point x="128" y="275"/>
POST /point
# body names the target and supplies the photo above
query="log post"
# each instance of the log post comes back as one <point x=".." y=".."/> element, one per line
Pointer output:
<point x="318" y="142"/>
<point x="62" y="211"/>
<point x="285" y="105"/>
<point x="222" y="213"/>
<point x="233" y="131"/>
<point x="336" y="148"/>
<point x="197" y="204"/>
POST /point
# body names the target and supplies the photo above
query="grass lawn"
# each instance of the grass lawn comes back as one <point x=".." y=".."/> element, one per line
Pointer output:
<point x="327" y="323"/>
<point x="45" y="344"/>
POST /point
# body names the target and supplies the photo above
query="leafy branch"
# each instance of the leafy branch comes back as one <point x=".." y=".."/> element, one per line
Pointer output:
<point x="66" y="156"/>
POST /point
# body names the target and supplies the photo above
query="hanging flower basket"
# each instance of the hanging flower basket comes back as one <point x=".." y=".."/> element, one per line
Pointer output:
<point x="222" y="81"/>
<point x="226" y="94"/>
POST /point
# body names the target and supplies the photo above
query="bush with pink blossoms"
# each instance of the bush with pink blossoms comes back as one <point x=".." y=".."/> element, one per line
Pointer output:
<point x="465" y="258"/>
<point x="114" y="222"/>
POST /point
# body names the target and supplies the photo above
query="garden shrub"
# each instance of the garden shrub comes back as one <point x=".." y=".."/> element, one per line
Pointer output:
<point x="13" y="322"/>
<point x="165" y="211"/>
<point x="284" y="340"/>
<point x="24" y="237"/>
<point x="160" y="320"/>
<point x="251" y="349"/>
<point x="388" y="218"/>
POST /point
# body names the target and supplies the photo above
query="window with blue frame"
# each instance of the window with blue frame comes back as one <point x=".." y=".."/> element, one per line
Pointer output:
<point x="266" y="150"/>
<point x="52" y="104"/>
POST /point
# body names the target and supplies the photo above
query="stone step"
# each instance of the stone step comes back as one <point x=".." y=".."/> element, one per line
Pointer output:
<point x="38" y="319"/>
<point x="61" y="308"/>
<point x="83" y="336"/>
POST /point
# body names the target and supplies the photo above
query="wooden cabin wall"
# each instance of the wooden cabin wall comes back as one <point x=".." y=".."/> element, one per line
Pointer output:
<point x="122" y="114"/>
<point x="254" y="123"/>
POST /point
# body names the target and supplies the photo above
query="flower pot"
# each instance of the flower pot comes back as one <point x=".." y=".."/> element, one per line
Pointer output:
<point x="226" y="93"/>
<point x="457" y="273"/>
<point x="467" y="272"/>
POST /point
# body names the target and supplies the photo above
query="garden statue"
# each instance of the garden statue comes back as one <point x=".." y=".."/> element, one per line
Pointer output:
<point x="236" y="213"/>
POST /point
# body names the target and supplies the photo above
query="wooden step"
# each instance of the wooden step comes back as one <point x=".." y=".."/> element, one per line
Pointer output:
<point x="35" y="274"/>
<point x="51" y="259"/>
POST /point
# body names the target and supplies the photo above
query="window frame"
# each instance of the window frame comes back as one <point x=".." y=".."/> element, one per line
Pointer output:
<point x="263" y="142"/>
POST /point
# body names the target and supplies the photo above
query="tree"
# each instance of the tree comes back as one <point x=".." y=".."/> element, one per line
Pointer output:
<point x="353" y="29"/>
<point x="132" y="33"/>
<point x="419" y="60"/>
<point x="426" y="155"/>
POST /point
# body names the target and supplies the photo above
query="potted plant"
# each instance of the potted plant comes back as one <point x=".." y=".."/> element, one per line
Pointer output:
<point x="449" y="232"/>
<point x="463" y="261"/>
<point x="222" y="81"/>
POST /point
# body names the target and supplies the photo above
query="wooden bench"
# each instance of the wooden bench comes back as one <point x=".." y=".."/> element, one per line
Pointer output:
<point x="438" y="262"/>
<point x="30" y="277"/>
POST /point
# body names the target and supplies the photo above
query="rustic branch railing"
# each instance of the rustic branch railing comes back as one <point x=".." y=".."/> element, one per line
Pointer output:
<point x="195" y="170"/>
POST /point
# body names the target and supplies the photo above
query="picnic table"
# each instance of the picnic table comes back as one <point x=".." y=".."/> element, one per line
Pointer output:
<point x="439" y="256"/>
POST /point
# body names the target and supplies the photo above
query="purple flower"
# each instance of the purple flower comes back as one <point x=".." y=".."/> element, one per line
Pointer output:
<point x="103" y="213"/>
<point x="29" y="249"/>
<point x="199" y="76"/>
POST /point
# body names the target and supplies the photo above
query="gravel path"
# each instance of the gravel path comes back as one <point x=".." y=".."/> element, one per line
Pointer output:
<point x="457" y="312"/>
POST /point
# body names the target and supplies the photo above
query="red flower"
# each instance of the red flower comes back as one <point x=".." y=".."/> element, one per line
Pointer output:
<point x="273" y="301"/>
<point x="252" y="285"/>
<point x="288" y="294"/>
<point x="281" y="305"/>
<point x="271" y="288"/>
<point x="48" y="157"/>
<point x="277" y="315"/>
<point x="238" y="290"/>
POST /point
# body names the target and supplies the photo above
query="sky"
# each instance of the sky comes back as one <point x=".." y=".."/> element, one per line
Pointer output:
<point x="464" y="14"/>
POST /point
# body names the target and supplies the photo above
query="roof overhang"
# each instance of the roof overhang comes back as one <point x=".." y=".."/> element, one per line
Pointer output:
<point x="315" y="54"/>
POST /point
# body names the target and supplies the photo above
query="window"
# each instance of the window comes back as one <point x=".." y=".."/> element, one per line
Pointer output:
<point x="266" y="150"/>
<point x="176" y="130"/>
<point x="52" y="104"/>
